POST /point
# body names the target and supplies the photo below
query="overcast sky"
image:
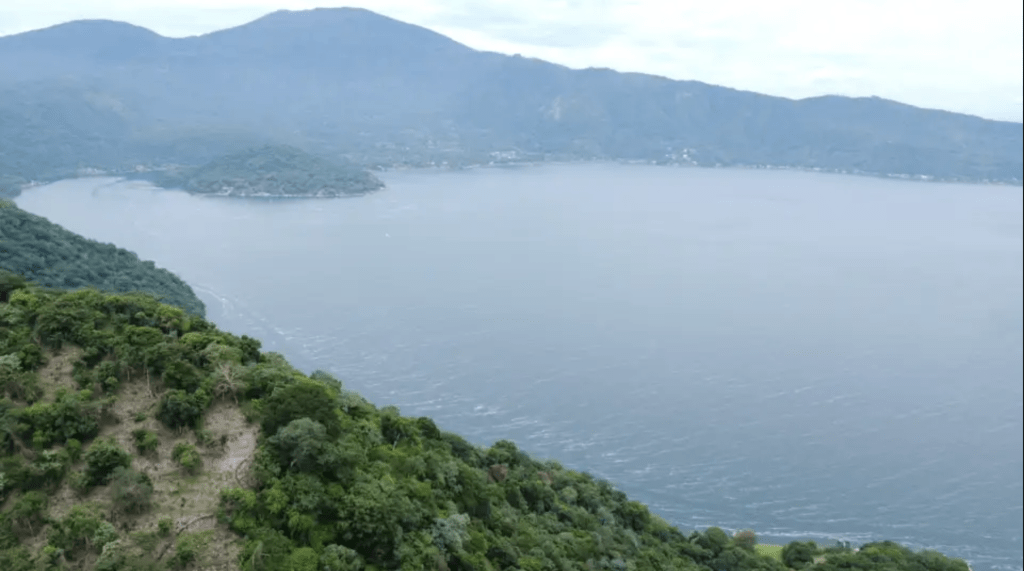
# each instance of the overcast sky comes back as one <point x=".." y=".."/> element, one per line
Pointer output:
<point x="961" y="55"/>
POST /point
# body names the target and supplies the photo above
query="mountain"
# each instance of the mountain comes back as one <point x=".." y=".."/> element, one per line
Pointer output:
<point x="271" y="171"/>
<point x="52" y="256"/>
<point x="351" y="83"/>
<point x="136" y="437"/>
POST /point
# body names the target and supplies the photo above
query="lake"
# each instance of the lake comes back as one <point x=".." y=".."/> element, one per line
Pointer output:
<point x="806" y="355"/>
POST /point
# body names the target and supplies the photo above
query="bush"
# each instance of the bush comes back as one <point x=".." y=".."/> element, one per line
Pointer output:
<point x="179" y="409"/>
<point x="187" y="549"/>
<point x="714" y="540"/>
<point x="74" y="449"/>
<point x="28" y="512"/>
<point x="146" y="441"/>
<point x="71" y="415"/>
<point x="338" y="558"/>
<point x="799" y="554"/>
<point x="182" y="375"/>
<point x="101" y="459"/>
<point x="163" y="527"/>
<point x="746" y="539"/>
<point x="187" y="455"/>
<point x="304" y="399"/>
<point x="131" y="491"/>
<point x="303" y="559"/>
<point x="76" y="531"/>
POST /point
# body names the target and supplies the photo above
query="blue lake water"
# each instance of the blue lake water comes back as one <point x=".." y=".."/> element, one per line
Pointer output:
<point x="809" y="356"/>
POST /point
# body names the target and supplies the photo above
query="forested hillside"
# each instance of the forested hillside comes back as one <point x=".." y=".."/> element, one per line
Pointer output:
<point x="138" y="437"/>
<point x="52" y="256"/>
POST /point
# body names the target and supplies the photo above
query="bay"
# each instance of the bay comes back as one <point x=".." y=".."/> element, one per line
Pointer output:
<point x="806" y="355"/>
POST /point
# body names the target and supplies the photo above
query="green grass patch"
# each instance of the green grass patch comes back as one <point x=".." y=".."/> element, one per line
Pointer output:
<point x="773" y="551"/>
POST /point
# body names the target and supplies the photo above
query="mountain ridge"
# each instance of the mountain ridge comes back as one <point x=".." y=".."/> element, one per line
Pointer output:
<point x="352" y="83"/>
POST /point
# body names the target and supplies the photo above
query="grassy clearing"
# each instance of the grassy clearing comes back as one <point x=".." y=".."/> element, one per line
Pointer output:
<point x="773" y="551"/>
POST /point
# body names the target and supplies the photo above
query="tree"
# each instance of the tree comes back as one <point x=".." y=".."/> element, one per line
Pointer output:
<point x="29" y="511"/>
<point x="396" y="428"/>
<point x="799" y="554"/>
<point x="187" y="456"/>
<point x="303" y="399"/>
<point x="746" y="539"/>
<point x="714" y="540"/>
<point x="131" y="491"/>
<point x="300" y="444"/>
<point x="449" y="533"/>
<point x="8" y="283"/>
<point x="226" y="362"/>
<point x="179" y="409"/>
<point x="101" y="459"/>
<point x="339" y="558"/>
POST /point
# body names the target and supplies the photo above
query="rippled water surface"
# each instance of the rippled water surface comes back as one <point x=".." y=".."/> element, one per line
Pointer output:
<point x="809" y="356"/>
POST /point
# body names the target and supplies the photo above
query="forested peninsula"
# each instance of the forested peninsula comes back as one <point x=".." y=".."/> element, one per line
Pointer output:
<point x="270" y="171"/>
<point x="52" y="256"/>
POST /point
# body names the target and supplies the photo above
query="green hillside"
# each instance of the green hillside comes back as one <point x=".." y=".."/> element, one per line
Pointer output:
<point x="137" y="436"/>
<point x="51" y="256"/>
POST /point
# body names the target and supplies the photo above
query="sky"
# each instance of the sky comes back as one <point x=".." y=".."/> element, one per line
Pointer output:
<point x="958" y="55"/>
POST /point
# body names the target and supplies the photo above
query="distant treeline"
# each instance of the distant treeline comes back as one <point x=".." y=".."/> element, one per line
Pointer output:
<point x="52" y="256"/>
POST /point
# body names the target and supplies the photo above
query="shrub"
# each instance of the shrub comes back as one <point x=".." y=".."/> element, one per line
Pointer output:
<point x="101" y="459"/>
<point x="182" y="375"/>
<point x="28" y="511"/>
<point x="163" y="527"/>
<point x="104" y="535"/>
<point x="187" y="549"/>
<point x="71" y="415"/>
<point x="303" y="559"/>
<point x="179" y="409"/>
<point x="799" y="554"/>
<point x="338" y="558"/>
<point x="78" y="483"/>
<point x="746" y="539"/>
<point x="74" y="449"/>
<point x="76" y="531"/>
<point x="304" y="399"/>
<point x="131" y="491"/>
<point x="714" y="540"/>
<point x="187" y="455"/>
<point x="146" y="441"/>
<point x="18" y="384"/>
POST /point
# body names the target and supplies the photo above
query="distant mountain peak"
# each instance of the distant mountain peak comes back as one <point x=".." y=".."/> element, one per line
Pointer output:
<point x="88" y="30"/>
<point x="88" y="38"/>
<point x="356" y="27"/>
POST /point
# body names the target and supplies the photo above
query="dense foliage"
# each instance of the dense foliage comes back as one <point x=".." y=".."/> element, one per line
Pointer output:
<point x="271" y="171"/>
<point x="52" y="256"/>
<point x="337" y="483"/>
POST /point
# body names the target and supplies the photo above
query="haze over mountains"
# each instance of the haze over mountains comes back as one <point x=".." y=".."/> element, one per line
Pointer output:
<point x="349" y="82"/>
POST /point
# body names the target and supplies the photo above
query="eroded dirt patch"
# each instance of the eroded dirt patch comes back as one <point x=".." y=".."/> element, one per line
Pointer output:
<point x="190" y="501"/>
<point x="56" y="373"/>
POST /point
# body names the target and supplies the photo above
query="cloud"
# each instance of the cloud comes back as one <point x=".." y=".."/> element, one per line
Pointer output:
<point x="962" y="55"/>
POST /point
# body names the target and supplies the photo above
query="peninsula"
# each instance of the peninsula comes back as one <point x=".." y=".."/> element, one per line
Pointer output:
<point x="271" y="171"/>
